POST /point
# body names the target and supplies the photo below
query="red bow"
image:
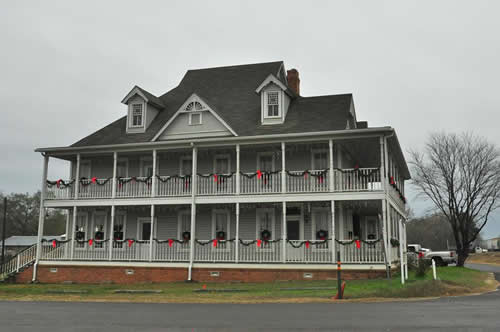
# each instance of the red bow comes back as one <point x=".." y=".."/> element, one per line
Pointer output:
<point x="215" y="177"/>
<point x="170" y="242"/>
<point x="420" y="255"/>
<point x="358" y="244"/>
<point x="186" y="182"/>
<point x="392" y="180"/>
<point x="320" y="178"/>
<point x="305" y="174"/>
<point x="356" y="166"/>
<point x="94" y="179"/>
<point x="307" y="244"/>
<point x="54" y="243"/>
<point x="130" y="242"/>
<point x="58" y="183"/>
<point x="259" y="174"/>
<point x="214" y="243"/>
<point x="259" y="243"/>
<point x="90" y="242"/>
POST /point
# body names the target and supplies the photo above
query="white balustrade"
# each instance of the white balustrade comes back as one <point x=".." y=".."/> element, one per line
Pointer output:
<point x="134" y="187"/>
<point x="174" y="186"/>
<point x="60" y="252"/>
<point x="176" y="252"/>
<point x="100" y="188"/>
<point x="360" y="179"/>
<point x="22" y="259"/>
<point x="268" y="183"/>
<point x="303" y="251"/>
<point x="314" y="181"/>
<point x="267" y="252"/>
<point x="223" y="251"/>
<point x="130" y="251"/>
<point x="367" y="253"/>
<point x="61" y="191"/>
<point x="216" y="185"/>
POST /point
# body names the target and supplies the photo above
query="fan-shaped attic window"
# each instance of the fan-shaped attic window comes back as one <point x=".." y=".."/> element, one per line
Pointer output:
<point x="194" y="106"/>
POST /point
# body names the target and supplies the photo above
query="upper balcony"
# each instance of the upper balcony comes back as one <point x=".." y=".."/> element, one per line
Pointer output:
<point x="346" y="166"/>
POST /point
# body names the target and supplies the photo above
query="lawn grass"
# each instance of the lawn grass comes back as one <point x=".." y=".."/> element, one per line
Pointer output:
<point x="492" y="257"/>
<point x="454" y="281"/>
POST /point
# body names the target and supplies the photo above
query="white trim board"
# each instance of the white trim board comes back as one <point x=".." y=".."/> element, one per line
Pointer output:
<point x="193" y="98"/>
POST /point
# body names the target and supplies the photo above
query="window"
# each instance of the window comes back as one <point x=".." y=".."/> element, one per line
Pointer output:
<point x="265" y="162"/>
<point x="195" y="119"/>
<point x="147" y="167"/>
<point x="122" y="168"/>
<point x="119" y="229"/>
<point x="265" y="222"/>
<point x="81" y="230"/>
<point x="194" y="106"/>
<point x="184" y="229"/>
<point x="320" y="160"/>
<point x="99" y="229"/>
<point x="186" y="167"/>
<point x="85" y="169"/>
<point x="137" y="115"/>
<point x="220" y="226"/>
<point x="321" y="226"/>
<point x="222" y="164"/>
<point x="371" y="228"/>
<point x="273" y="104"/>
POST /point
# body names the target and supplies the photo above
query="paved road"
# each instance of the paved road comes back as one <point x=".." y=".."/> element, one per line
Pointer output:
<point x="476" y="313"/>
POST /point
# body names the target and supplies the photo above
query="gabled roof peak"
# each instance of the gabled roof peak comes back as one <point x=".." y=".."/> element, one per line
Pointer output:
<point x="149" y="97"/>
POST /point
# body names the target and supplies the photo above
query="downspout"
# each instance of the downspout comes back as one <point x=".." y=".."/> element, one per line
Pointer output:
<point x="193" y="209"/>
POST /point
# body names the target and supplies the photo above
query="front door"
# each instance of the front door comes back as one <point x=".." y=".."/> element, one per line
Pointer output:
<point x="144" y="233"/>
<point x="293" y="234"/>
<point x="293" y="229"/>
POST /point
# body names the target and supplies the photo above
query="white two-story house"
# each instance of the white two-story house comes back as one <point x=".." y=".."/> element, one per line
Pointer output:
<point x="231" y="175"/>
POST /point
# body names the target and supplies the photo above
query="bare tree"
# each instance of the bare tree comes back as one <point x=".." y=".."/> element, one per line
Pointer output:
<point x="461" y="175"/>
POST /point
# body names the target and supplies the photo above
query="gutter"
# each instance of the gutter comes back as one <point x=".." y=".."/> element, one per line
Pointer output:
<point x="348" y="133"/>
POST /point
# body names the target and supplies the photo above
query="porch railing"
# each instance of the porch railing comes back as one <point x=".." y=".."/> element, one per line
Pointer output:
<point x="250" y="251"/>
<point x="61" y="191"/>
<point x="345" y="180"/>
<point x="218" y="184"/>
<point x="23" y="258"/>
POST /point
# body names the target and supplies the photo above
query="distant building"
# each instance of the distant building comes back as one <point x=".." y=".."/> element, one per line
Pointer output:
<point x="492" y="244"/>
<point x="15" y="244"/>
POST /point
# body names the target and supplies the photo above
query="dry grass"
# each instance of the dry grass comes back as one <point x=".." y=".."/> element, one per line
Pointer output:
<point x="492" y="258"/>
<point x="454" y="281"/>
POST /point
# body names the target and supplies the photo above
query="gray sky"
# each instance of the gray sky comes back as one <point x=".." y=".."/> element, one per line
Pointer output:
<point x="419" y="66"/>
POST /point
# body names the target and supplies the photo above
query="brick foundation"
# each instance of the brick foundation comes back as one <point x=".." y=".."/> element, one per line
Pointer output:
<point x="134" y="274"/>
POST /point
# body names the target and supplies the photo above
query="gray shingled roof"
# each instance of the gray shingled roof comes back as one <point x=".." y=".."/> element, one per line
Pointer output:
<point x="230" y="91"/>
<point x="26" y="240"/>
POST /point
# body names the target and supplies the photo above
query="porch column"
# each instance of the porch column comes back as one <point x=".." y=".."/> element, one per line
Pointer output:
<point x="383" y="182"/>
<point x="73" y="229"/>
<point x="67" y="232"/>
<point x="283" y="168"/>
<point x="406" y="250"/>
<point x="283" y="232"/>
<point x="151" y="233"/>
<point x="77" y="176"/>
<point x="113" y="192"/>
<point x="112" y="230"/>
<point x="401" y="257"/>
<point x="238" y="189"/>
<point x="330" y="155"/>
<point x="384" y="232"/>
<point x="194" y="181"/>
<point x="334" y="245"/>
<point x="41" y="218"/>
<point x="237" y="237"/>
<point x="153" y="178"/>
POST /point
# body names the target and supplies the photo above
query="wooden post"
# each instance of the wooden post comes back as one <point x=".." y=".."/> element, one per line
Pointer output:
<point x="4" y="223"/>
<point x="193" y="207"/>
<point x="330" y="155"/>
<point x="237" y="237"/>
<point x="112" y="232"/>
<point x="151" y="233"/>
<point x="238" y="177"/>
<point x="334" y="245"/>
<point x="41" y="218"/>
<point x="283" y="168"/>
<point x="153" y="177"/>
<point x="68" y="230"/>
<point x="283" y="232"/>
<point x="383" y="182"/>
<point x="401" y="253"/>
<point x="73" y="231"/>
<point x="113" y="191"/>
<point x="77" y="176"/>
<point x="384" y="236"/>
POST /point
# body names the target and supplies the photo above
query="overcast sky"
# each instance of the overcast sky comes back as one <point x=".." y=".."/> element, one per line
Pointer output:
<point x="419" y="66"/>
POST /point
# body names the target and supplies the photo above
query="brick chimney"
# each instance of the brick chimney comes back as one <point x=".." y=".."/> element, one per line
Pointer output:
<point x="292" y="76"/>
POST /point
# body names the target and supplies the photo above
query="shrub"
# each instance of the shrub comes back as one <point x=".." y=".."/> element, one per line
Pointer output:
<point x="422" y="267"/>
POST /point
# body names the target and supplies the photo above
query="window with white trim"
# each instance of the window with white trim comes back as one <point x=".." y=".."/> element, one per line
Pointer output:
<point x="220" y="227"/>
<point x="222" y="164"/>
<point x="273" y="109"/>
<point x="320" y="160"/>
<point x="99" y="229"/>
<point x="371" y="228"/>
<point x="147" y="167"/>
<point x="194" y="106"/>
<point x="195" y="119"/>
<point x="265" y="222"/>
<point x="186" y="167"/>
<point x="321" y="226"/>
<point x="137" y="115"/>
<point x="122" y="168"/>
<point x="184" y="228"/>
<point x="265" y="162"/>
<point x="119" y="229"/>
<point x="81" y="228"/>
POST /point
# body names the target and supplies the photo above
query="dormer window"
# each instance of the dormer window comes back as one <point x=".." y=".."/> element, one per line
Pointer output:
<point x="137" y="115"/>
<point x="273" y="107"/>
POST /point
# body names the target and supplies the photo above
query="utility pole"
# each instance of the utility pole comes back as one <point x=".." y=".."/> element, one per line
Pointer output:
<point x="3" y="230"/>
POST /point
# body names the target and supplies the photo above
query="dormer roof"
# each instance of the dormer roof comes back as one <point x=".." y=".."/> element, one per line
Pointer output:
<point x="147" y="96"/>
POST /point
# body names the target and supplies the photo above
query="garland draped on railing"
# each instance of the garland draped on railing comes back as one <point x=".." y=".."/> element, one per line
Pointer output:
<point x="100" y="182"/>
<point x="55" y="242"/>
<point x="141" y="179"/>
<point x="395" y="186"/>
<point x="61" y="184"/>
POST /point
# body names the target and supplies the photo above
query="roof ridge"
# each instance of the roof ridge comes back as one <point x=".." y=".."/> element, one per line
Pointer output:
<point x="322" y="96"/>
<point x="235" y="66"/>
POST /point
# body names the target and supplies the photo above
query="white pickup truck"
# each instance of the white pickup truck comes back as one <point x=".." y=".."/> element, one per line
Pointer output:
<point x="442" y="258"/>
